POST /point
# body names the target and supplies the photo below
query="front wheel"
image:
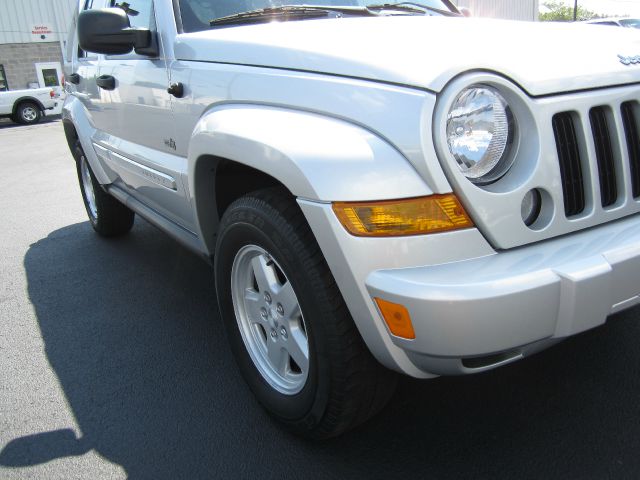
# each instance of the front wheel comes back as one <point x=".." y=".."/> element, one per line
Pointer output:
<point x="293" y="338"/>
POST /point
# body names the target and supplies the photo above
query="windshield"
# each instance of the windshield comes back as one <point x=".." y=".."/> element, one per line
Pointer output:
<point x="196" y="14"/>
<point x="630" y="22"/>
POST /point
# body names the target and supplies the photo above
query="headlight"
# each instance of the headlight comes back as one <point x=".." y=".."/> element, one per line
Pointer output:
<point x="480" y="129"/>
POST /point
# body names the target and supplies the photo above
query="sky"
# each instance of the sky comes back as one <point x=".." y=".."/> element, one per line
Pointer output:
<point x="609" y="7"/>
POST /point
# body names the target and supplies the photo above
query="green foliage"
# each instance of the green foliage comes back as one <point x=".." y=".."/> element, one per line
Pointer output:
<point x="559" y="12"/>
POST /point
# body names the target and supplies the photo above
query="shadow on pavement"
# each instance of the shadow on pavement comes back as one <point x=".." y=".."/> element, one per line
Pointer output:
<point x="6" y="124"/>
<point x="42" y="447"/>
<point x="132" y="331"/>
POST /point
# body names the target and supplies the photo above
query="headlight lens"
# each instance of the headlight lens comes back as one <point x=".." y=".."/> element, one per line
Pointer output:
<point x="480" y="129"/>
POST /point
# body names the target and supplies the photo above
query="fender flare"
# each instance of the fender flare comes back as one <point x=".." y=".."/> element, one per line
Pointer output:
<point x="27" y="99"/>
<point x="75" y="113"/>
<point x="315" y="157"/>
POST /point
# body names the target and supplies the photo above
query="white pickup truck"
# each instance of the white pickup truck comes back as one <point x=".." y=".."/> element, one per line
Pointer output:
<point x="379" y="186"/>
<point x="27" y="106"/>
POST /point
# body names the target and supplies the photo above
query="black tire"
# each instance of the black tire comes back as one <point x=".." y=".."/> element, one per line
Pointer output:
<point x="345" y="385"/>
<point x="28" y="113"/>
<point x="107" y="215"/>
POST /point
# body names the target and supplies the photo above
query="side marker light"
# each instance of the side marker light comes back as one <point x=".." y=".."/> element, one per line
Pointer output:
<point x="397" y="318"/>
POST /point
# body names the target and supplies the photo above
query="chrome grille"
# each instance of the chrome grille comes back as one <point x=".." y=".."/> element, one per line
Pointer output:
<point x="574" y="149"/>
<point x="576" y="140"/>
<point x="570" y="168"/>
<point x="604" y="155"/>
<point x="629" y="119"/>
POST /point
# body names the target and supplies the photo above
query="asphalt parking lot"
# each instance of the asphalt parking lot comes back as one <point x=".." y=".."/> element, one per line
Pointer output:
<point x="113" y="364"/>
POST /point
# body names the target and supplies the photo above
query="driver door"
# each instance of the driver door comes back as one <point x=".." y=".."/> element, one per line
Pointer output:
<point x="136" y="124"/>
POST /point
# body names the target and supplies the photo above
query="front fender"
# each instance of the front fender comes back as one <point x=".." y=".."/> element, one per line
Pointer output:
<point x="320" y="160"/>
<point x="315" y="157"/>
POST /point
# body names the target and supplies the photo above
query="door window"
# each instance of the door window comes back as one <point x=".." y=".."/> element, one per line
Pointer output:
<point x="140" y="12"/>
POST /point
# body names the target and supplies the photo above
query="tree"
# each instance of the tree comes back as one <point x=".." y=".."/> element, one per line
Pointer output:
<point x="559" y="12"/>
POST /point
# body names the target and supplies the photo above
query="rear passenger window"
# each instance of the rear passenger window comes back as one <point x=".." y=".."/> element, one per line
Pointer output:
<point x="140" y="12"/>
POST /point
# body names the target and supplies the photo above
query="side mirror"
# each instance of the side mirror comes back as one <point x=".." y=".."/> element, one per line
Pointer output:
<point x="108" y="31"/>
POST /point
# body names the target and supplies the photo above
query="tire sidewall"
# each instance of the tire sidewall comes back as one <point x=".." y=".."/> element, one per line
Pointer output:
<point x="252" y="227"/>
<point x="80" y="157"/>
<point x="112" y="218"/>
<point x="20" y="114"/>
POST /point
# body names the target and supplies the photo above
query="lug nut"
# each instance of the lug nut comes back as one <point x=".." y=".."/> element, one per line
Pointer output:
<point x="280" y="309"/>
<point x="274" y="334"/>
<point x="263" y="312"/>
<point x="283" y="332"/>
<point x="267" y="297"/>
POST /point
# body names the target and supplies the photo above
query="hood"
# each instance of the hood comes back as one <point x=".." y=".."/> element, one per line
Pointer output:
<point x="427" y="52"/>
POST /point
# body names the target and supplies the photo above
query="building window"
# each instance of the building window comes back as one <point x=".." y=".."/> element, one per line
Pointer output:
<point x="4" y="85"/>
<point x="50" y="77"/>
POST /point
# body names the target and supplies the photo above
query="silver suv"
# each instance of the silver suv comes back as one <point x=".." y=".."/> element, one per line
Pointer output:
<point x="380" y="188"/>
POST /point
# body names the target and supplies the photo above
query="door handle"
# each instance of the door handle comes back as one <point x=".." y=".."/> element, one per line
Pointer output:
<point x="74" y="78"/>
<point x="106" y="82"/>
<point x="176" y="89"/>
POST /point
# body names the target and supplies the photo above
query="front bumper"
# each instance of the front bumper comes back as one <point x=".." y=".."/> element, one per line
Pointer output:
<point x="473" y="308"/>
<point x="481" y="313"/>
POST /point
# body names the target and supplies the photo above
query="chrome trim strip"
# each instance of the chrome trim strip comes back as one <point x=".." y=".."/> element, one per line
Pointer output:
<point x="102" y="152"/>
<point x="136" y="168"/>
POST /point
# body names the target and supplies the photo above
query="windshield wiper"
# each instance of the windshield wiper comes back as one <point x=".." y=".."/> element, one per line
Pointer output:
<point x="290" y="12"/>
<point x="412" y="7"/>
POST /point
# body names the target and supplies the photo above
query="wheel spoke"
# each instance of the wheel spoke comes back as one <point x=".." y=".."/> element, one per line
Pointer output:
<point x="253" y="304"/>
<point x="270" y="319"/>
<point x="277" y="356"/>
<point x="265" y="274"/>
<point x="287" y="298"/>
<point x="298" y="347"/>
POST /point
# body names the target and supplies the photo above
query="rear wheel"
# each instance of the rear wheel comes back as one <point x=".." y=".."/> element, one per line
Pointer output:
<point x="28" y="113"/>
<point x="291" y="333"/>
<point x="107" y="215"/>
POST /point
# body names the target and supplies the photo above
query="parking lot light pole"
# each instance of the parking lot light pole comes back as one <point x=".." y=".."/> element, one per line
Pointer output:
<point x="575" y="11"/>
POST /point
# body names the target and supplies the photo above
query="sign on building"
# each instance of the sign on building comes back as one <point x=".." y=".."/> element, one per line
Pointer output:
<point x="43" y="32"/>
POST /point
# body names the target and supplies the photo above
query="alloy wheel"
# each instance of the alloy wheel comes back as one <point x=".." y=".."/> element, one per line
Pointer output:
<point x="270" y="319"/>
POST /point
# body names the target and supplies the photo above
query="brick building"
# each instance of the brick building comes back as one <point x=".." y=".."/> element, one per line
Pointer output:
<point x="32" y="39"/>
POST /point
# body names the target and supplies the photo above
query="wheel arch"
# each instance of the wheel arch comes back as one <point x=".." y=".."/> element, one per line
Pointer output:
<point x="314" y="157"/>
<point x="77" y="128"/>
<point x="71" y="134"/>
<point x="218" y="182"/>
<point x="27" y="99"/>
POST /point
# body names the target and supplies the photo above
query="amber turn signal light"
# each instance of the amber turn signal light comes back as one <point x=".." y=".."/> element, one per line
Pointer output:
<point x="394" y="218"/>
<point x="397" y="318"/>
